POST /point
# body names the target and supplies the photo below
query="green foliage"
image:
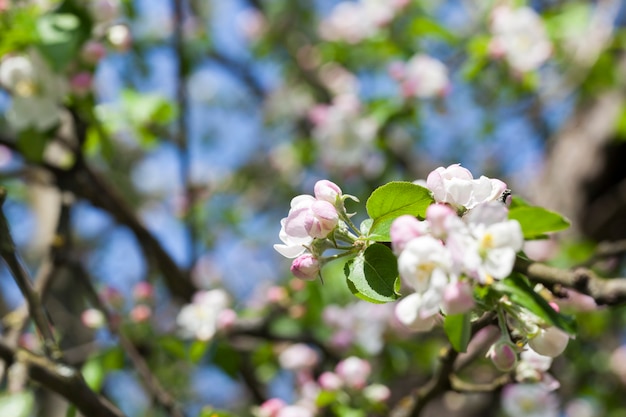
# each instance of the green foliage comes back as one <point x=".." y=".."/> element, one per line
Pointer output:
<point x="537" y="221"/>
<point x="517" y="288"/>
<point x="392" y="200"/>
<point x="373" y="273"/>
<point x="32" y="144"/>
<point x="458" y="329"/>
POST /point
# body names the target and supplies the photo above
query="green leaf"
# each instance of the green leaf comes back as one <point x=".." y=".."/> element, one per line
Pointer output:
<point x="458" y="329"/>
<point x="373" y="274"/>
<point x="197" y="350"/>
<point x="537" y="221"/>
<point x="32" y="144"/>
<point x="422" y="26"/>
<point x="211" y="412"/>
<point x="173" y="346"/>
<point x="61" y="36"/>
<point x="93" y="373"/>
<point x="71" y="411"/>
<point x="228" y="359"/>
<point x="520" y="292"/>
<point x="17" y="405"/>
<point x="393" y="200"/>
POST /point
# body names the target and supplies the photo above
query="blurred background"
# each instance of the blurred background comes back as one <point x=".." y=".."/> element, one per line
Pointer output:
<point x="203" y="118"/>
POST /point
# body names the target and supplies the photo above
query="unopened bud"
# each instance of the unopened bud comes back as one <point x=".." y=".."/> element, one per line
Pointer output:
<point x="458" y="298"/>
<point x="403" y="230"/>
<point x="93" y="318"/>
<point x="305" y="267"/>
<point x="330" y="381"/>
<point x="549" y="342"/>
<point x="377" y="393"/>
<point x="327" y="191"/>
<point x="503" y="355"/>
<point x="354" y="371"/>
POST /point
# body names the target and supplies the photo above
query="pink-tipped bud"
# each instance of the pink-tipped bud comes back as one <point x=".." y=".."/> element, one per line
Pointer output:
<point x="327" y="191"/>
<point x="93" y="52"/>
<point x="226" y="319"/>
<point x="503" y="355"/>
<point x="305" y="267"/>
<point x="143" y="291"/>
<point x="403" y="230"/>
<point x="377" y="393"/>
<point x="549" y="342"/>
<point x="298" y="357"/>
<point x="271" y="407"/>
<point x="437" y="215"/>
<point x="112" y="297"/>
<point x="354" y="372"/>
<point x="321" y="219"/>
<point x="140" y="313"/>
<point x="276" y="294"/>
<point x="93" y="318"/>
<point x="330" y="381"/>
<point x="458" y="298"/>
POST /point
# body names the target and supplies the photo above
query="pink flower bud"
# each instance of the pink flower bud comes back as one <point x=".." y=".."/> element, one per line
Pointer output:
<point x="226" y="319"/>
<point x="93" y="318"/>
<point x="112" y="296"/>
<point x="327" y="191"/>
<point x="298" y="357"/>
<point x="305" y="267"/>
<point x="354" y="372"/>
<point x="377" y="393"/>
<point x="437" y="214"/>
<point x="143" y="291"/>
<point x="321" y="219"/>
<point x="271" y="407"/>
<point x="93" y="52"/>
<point x="403" y="230"/>
<point x="549" y="342"/>
<point x="503" y="355"/>
<point x="140" y="313"/>
<point x="458" y="298"/>
<point x="330" y="381"/>
<point x="276" y="294"/>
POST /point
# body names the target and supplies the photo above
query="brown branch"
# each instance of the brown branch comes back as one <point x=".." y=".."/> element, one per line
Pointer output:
<point x="603" y="291"/>
<point x="414" y="404"/>
<point x="24" y="282"/>
<point x="62" y="379"/>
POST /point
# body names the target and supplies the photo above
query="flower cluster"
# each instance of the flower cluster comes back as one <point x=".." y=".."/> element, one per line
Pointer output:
<point x="422" y="76"/>
<point x="207" y="313"/>
<point x="305" y="230"/>
<point x="440" y="257"/>
<point x="519" y="36"/>
<point x="345" y="137"/>
<point x="354" y="22"/>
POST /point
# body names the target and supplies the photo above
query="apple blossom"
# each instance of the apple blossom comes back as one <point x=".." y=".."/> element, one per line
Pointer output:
<point x="93" y="52"/>
<point x="416" y="314"/>
<point x="377" y="393"/>
<point x="297" y="357"/>
<point x="458" y="298"/>
<point x="520" y="37"/>
<point x="305" y="266"/>
<point x="529" y="400"/>
<point x="295" y="411"/>
<point x="503" y="355"/>
<point x="438" y="216"/>
<point x="354" y="371"/>
<point x="404" y="229"/>
<point x="424" y="262"/>
<point x="200" y="318"/>
<point x="327" y="191"/>
<point x="456" y="186"/>
<point x="93" y="318"/>
<point x="549" y="342"/>
<point x="423" y="77"/>
<point x="271" y="407"/>
<point x="330" y="381"/>
<point x="140" y="313"/>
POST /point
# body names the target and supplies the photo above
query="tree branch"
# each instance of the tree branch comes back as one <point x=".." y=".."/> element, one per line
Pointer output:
<point x="62" y="379"/>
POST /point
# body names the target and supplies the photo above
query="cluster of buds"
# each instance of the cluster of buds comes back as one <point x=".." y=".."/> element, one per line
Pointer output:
<point x="310" y="227"/>
<point x="422" y="76"/>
